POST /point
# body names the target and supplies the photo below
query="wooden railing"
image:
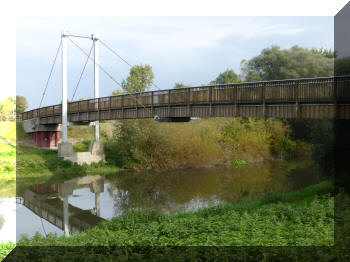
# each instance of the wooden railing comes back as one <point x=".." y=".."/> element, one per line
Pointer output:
<point x="308" y="90"/>
<point x="10" y="117"/>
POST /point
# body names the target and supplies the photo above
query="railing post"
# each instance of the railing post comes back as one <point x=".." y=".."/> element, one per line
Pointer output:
<point x="235" y="100"/>
<point x="168" y="103"/>
<point x="152" y="103"/>
<point x="264" y="100"/>
<point x="189" y="102"/>
<point x="297" y="106"/>
<point x="137" y="106"/>
<point x="122" y="105"/>
<point x="210" y="101"/>
<point x="335" y="98"/>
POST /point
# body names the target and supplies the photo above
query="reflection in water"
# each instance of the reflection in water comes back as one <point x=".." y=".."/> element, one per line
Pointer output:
<point x="50" y="202"/>
<point x="192" y="189"/>
<point x="81" y="203"/>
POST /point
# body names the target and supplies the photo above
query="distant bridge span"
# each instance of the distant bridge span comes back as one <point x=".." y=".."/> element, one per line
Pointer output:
<point x="324" y="97"/>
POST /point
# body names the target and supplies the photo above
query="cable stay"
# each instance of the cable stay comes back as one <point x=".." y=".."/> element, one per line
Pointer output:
<point x="82" y="72"/>
<point x="52" y="67"/>
<point x="124" y="60"/>
<point x="109" y="75"/>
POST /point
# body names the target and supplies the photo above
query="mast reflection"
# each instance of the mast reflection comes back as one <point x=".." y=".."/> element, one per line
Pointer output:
<point x="50" y="202"/>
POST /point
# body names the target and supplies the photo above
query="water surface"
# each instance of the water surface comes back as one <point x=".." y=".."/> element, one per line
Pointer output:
<point x="77" y="204"/>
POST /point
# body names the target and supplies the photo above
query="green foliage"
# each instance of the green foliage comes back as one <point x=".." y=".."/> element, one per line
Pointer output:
<point x="276" y="63"/>
<point x="82" y="146"/>
<point x="328" y="53"/>
<point x="342" y="66"/>
<point x="33" y="162"/>
<point x="6" y="105"/>
<point x="318" y="136"/>
<point x="227" y="77"/>
<point x="238" y="162"/>
<point x="5" y="249"/>
<point x="148" y="144"/>
<point x="117" y="93"/>
<point x="140" y="79"/>
<point x="297" y="218"/>
<point x="8" y="132"/>
<point x="21" y="104"/>
<point x="180" y="85"/>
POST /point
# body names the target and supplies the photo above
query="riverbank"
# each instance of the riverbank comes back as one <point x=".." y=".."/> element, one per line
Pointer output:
<point x="34" y="162"/>
<point x="300" y="218"/>
<point x="7" y="159"/>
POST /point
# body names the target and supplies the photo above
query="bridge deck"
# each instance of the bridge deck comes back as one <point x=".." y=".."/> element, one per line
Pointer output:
<point x="324" y="97"/>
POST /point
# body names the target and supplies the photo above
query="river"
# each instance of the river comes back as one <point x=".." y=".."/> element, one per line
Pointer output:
<point x="80" y="203"/>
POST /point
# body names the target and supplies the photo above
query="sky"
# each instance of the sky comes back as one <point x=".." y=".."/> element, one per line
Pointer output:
<point x="190" y="50"/>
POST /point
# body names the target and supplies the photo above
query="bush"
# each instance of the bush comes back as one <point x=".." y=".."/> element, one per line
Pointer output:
<point x="148" y="144"/>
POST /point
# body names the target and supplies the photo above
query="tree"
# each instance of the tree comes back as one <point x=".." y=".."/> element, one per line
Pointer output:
<point x="21" y="104"/>
<point x="227" y="77"/>
<point x="6" y="105"/>
<point x="342" y="66"/>
<point x="275" y="63"/>
<point x="117" y="93"/>
<point x="180" y="85"/>
<point x="140" y="79"/>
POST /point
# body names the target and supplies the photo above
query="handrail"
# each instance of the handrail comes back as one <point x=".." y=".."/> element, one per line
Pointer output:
<point x="233" y="92"/>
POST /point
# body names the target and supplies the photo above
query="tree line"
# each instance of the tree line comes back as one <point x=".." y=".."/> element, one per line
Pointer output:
<point x="273" y="63"/>
<point x="11" y="105"/>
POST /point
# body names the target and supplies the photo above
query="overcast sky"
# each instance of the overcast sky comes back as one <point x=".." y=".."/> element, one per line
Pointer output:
<point x="192" y="50"/>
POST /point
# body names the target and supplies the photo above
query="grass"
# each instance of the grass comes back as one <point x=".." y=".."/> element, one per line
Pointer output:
<point x="7" y="159"/>
<point x="8" y="131"/>
<point x="301" y="218"/>
<point x="5" y="249"/>
<point x="34" y="162"/>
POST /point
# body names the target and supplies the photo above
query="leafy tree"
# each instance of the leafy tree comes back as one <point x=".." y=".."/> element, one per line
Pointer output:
<point x="21" y="104"/>
<point x="342" y="66"/>
<point x="117" y="93"/>
<point x="328" y="53"/>
<point x="276" y="63"/>
<point x="140" y="79"/>
<point x="227" y="77"/>
<point x="6" y="106"/>
<point x="180" y="85"/>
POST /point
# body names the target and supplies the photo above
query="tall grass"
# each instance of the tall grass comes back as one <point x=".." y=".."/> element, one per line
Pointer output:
<point x="148" y="144"/>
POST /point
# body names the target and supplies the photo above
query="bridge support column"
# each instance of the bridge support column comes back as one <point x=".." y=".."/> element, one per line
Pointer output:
<point x="96" y="84"/>
<point x="47" y="139"/>
<point x="65" y="216"/>
<point x="65" y="149"/>
<point x="97" y="204"/>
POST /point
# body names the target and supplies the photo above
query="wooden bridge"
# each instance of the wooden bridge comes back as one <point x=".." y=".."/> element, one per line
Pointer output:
<point x="324" y="97"/>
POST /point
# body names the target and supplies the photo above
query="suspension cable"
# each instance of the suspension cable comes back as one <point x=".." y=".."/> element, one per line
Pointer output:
<point x="52" y="67"/>
<point x="115" y="53"/>
<point x="82" y="50"/>
<point x="110" y="76"/>
<point x="82" y="72"/>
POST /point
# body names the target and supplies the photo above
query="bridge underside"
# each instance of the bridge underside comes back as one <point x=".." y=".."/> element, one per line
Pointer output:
<point x="305" y="111"/>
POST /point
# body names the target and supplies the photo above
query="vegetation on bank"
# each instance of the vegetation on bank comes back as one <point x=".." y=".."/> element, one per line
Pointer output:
<point x="301" y="218"/>
<point x="7" y="158"/>
<point x="7" y="171"/>
<point x="5" y="249"/>
<point x="33" y="162"/>
<point x="148" y="144"/>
